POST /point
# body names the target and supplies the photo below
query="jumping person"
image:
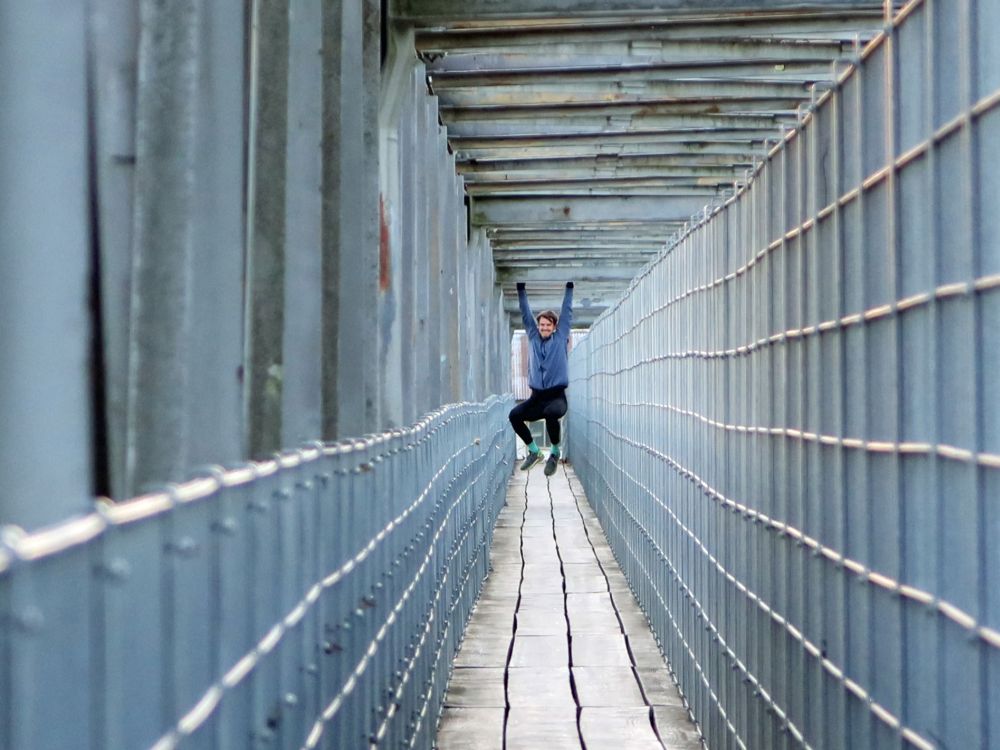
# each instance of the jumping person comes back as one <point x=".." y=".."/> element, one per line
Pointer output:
<point x="548" y="376"/>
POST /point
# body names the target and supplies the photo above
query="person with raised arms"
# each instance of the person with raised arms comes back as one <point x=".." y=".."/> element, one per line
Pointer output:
<point x="548" y="376"/>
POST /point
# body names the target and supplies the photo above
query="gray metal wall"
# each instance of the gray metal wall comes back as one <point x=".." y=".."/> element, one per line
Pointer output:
<point x="227" y="228"/>
<point x="789" y="425"/>
<point x="444" y="332"/>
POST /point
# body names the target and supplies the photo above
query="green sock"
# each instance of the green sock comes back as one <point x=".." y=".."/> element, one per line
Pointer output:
<point x="532" y="448"/>
<point x="555" y="450"/>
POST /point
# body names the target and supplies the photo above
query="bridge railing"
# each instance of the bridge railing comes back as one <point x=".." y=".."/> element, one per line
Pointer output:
<point x="314" y="600"/>
<point x="789" y="424"/>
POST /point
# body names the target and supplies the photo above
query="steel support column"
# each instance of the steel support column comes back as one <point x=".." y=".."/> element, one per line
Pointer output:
<point x="45" y="243"/>
<point x="302" y="342"/>
<point x="166" y="151"/>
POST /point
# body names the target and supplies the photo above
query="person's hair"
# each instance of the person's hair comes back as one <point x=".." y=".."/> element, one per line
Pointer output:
<point x="550" y="316"/>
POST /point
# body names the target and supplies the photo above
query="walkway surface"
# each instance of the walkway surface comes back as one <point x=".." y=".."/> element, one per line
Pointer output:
<point x="558" y="654"/>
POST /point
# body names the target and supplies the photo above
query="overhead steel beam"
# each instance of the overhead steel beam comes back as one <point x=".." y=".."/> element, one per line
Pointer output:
<point x="454" y="57"/>
<point x="611" y="141"/>
<point x="542" y="252"/>
<point x="521" y="259"/>
<point x="434" y="12"/>
<point x="700" y="175"/>
<point x="726" y="152"/>
<point x="608" y="90"/>
<point x="639" y="109"/>
<point x="589" y="132"/>
<point x="588" y="249"/>
<point x="685" y="185"/>
<point x="616" y="230"/>
<point x="662" y="229"/>
<point x="830" y="22"/>
<point x="596" y="125"/>
<point x="463" y="123"/>
<point x="554" y="209"/>
<point x="569" y="241"/>
<point x="650" y="161"/>
<point x="579" y="271"/>
<point x="546" y="249"/>
<point x="569" y="249"/>
<point x="776" y="70"/>
<point x="592" y="188"/>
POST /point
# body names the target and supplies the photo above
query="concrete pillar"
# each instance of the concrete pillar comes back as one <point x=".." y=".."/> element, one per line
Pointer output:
<point x="157" y="448"/>
<point x="45" y="245"/>
<point x="266" y="225"/>
<point x="302" y="344"/>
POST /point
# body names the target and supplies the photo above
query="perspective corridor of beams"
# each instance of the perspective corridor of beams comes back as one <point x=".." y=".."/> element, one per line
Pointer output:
<point x="589" y="132"/>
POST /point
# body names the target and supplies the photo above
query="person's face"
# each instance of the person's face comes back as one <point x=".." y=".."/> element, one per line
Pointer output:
<point x="545" y="327"/>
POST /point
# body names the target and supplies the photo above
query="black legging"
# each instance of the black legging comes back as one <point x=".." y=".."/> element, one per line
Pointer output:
<point x="549" y="404"/>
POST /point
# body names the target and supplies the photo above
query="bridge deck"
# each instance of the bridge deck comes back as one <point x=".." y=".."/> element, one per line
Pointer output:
<point x="558" y="654"/>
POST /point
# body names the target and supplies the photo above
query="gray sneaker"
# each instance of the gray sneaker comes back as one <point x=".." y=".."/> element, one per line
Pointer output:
<point x="530" y="460"/>
<point x="551" y="465"/>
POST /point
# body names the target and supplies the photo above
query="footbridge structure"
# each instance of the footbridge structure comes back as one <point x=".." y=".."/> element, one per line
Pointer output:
<point x="258" y="487"/>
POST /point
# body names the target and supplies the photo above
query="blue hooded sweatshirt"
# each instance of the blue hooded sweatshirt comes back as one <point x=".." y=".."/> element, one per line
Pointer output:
<point x="548" y="366"/>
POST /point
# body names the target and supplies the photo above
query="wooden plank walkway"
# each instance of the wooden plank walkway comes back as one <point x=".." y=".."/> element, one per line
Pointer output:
<point x="558" y="654"/>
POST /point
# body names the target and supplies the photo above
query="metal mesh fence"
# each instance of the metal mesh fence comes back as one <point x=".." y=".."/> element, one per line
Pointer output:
<point x="789" y="425"/>
<point x="315" y="600"/>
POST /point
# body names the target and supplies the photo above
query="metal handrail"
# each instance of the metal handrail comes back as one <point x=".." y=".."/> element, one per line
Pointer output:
<point x="312" y="600"/>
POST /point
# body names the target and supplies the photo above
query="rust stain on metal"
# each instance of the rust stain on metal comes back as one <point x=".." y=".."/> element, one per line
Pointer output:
<point x="384" y="256"/>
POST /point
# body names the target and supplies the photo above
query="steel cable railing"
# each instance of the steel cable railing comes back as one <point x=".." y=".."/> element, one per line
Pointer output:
<point x="315" y="600"/>
<point x="787" y="425"/>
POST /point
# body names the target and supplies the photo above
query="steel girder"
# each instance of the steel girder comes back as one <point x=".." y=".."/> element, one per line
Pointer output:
<point x="589" y="131"/>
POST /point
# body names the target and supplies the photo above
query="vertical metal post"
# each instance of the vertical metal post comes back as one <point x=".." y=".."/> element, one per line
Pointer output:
<point x="159" y="346"/>
<point x="352" y="252"/>
<point x="265" y="273"/>
<point x="371" y="66"/>
<point x="395" y="119"/>
<point x="302" y="343"/>
<point x="45" y="464"/>
<point x="114" y="36"/>
<point x="216" y="422"/>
